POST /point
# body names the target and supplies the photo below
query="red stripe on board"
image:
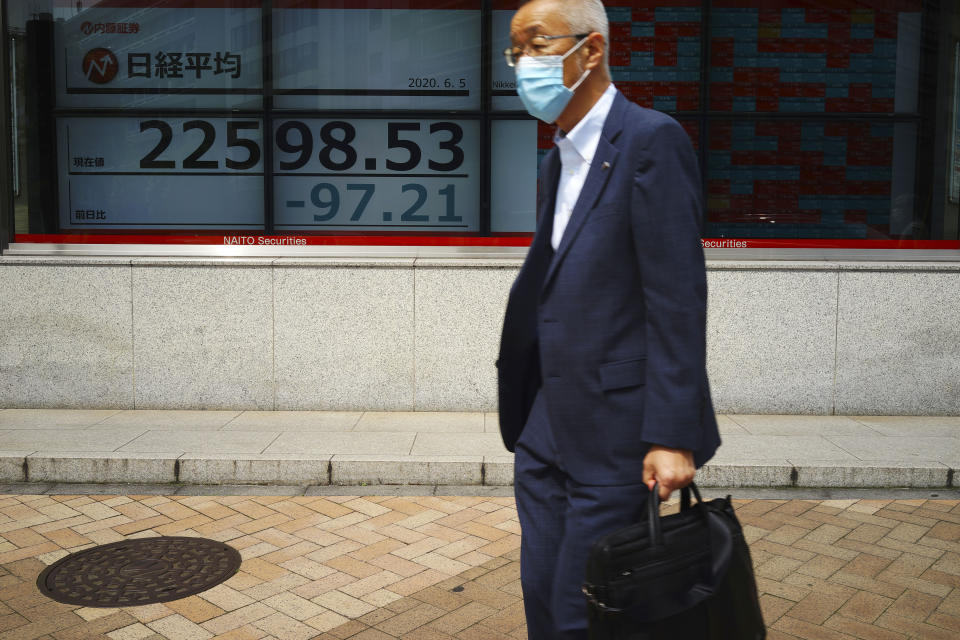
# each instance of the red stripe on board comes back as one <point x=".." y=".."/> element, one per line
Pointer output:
<point x="503" y="240"/>
<point x="159" y="4"/>
<point x="446" y="5"/>
<point x="511" y="240"/>
<point x="793" y="243"/>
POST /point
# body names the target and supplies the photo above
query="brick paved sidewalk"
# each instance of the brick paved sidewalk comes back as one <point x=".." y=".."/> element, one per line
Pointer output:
<point x="435" y="568"/>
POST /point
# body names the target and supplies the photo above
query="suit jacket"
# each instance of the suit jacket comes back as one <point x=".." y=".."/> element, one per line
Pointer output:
<point x="612" y="325"/>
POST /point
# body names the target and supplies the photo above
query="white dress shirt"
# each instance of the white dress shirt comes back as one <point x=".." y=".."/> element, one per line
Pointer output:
<point x="577" y="149"/>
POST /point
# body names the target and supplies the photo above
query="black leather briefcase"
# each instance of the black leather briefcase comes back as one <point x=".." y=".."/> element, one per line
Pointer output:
<point x="684" y="576"/>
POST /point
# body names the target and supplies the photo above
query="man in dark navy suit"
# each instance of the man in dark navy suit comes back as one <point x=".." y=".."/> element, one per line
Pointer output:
<point x="602" y="380"/>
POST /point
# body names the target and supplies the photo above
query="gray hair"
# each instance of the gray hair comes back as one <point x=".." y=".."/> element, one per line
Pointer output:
<point x="587" y="16"/>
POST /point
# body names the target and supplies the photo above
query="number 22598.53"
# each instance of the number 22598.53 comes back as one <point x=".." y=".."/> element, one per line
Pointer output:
<point x="337" y="154"/>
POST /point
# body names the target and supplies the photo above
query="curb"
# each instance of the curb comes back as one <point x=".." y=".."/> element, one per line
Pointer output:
<point x="376" y="470"/>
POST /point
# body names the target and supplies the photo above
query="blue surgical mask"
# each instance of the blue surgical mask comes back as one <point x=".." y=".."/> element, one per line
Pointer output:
<point x="540" y="85"/>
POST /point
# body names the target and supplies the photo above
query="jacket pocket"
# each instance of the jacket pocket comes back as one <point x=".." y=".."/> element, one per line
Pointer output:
<point x="623" y="374"/>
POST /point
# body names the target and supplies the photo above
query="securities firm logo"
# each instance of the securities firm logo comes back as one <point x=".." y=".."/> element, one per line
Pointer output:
<point x="100" y="66"/>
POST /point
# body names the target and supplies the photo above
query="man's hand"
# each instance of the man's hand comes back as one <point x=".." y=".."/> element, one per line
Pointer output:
<point x="672" y="468"/>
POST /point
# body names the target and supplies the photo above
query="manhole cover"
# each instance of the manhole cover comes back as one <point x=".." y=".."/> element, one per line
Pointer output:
<point x="141" y="571"/>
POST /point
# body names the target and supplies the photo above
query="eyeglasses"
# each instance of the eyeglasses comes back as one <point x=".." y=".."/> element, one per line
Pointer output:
<point x="512" y="54"/>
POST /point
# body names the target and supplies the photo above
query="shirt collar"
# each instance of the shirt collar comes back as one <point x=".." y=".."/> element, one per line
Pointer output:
<point x="585" y="136"/>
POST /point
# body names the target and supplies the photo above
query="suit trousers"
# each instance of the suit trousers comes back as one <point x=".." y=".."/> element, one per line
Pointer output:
<point x="560" y="519"/>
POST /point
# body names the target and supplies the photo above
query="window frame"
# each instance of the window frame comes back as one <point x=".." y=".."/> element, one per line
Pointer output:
<point x="511" y="243"/>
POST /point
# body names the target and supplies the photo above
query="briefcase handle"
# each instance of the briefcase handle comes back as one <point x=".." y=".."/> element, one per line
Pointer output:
<point x="653" y="509"/>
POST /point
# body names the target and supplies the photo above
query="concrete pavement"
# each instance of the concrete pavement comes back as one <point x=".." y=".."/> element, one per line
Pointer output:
<point x="317" y="448"/>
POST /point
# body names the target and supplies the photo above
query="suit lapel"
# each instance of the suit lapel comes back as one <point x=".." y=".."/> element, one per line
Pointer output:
<point x="600" y="170"/>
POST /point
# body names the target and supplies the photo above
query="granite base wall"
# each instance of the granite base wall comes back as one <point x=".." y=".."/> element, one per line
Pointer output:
<point x="393" y="334"/>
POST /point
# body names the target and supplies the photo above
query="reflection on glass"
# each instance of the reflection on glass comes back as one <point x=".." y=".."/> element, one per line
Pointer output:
<point x="516" y="160"/>
<point x="331" y="55"/>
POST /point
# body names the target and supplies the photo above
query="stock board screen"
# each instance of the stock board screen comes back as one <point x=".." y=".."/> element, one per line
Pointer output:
<point x="367" y="115"/>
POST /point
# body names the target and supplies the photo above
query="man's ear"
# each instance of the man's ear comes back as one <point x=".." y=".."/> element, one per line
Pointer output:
<point x="595" y="47"/>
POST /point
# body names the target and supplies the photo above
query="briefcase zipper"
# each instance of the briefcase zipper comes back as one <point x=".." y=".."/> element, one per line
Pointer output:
<point x="650" y="569"/>
<point x="595" y="593"/>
